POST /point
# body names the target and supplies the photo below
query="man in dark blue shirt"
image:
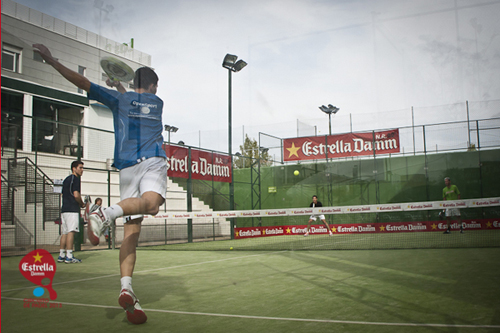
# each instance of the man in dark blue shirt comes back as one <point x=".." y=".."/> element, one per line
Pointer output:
<point x="70" y="213"/>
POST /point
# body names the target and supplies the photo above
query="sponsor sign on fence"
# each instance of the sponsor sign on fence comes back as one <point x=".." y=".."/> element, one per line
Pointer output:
<point x="366" y="228"/>
<point x="204" y="165"/>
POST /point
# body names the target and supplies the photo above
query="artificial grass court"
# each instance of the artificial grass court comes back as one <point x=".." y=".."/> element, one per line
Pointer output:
<point x="426" y="290"/>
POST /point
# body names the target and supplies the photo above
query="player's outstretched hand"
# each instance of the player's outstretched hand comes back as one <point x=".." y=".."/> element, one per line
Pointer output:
<point x="43" y="51"/>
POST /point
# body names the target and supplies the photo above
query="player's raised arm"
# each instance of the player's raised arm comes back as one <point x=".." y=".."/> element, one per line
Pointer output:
<point x="77" y="79"/>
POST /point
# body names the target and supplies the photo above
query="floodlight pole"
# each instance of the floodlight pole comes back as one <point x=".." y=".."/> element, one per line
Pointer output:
<point x="329" y="123"/>
<point x="230" y="143"/>
<point x="231" y="65"/>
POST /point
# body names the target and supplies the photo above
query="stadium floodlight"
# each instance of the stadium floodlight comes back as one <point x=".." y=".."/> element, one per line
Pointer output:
<point x="229" y="61"/>
<point x="238" y="66"/>
<point x="329" y="110"/>
<point x="170" y="129"/>
<point x="232" y="65"/>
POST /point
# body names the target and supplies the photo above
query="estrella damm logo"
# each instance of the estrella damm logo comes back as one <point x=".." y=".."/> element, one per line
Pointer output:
<point x="39" y="267"/>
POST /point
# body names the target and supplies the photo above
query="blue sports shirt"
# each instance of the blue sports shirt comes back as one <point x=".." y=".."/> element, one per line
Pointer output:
<point x="137" y="123"/>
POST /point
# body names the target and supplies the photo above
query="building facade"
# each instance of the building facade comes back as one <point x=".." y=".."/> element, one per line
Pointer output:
<point x="37" y="101"/>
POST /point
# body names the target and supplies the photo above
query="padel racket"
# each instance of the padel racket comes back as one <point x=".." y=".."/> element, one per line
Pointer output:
<point x="116" y="69"/>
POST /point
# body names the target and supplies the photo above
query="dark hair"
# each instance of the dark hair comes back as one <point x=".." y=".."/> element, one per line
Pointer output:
<point x="75" y="164"/>
<point x="144" y="77"/>
<point x="315" y="196"/>
<point x="97" y="199"/>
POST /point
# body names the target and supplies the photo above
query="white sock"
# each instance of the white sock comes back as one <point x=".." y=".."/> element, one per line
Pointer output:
<point x="126" y="282"/>
<point x="70" y="253"/>
<point x="62" y="253"/>
<point x="113" y="212"/>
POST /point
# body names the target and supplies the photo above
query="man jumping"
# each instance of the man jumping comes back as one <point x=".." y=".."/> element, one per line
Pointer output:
<point x="139" y="156"/>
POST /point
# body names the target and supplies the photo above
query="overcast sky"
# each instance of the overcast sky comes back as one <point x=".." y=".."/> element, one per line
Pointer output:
<point x="374" y="59"/>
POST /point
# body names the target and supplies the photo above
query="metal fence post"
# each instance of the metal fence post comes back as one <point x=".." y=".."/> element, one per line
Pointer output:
<point x="189" y="198"/>
<point x="468" y="124"/>
<point x="79" y="143"/>
<point x="375" y="171"/>
<point x="425" y="166"/>
<point x="112" y="230"/>
<point x="477" y="133"/>
<point x="413" y="128"/>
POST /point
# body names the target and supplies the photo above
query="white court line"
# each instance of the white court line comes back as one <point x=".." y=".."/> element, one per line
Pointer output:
<point x="328" y="321"/>
<point x="148" y="270"/>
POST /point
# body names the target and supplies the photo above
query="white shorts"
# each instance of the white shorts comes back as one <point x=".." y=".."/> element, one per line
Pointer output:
<point x="313" y="217"/>
<point x="70" y="222"/>
<point x="147" y="176"/>
<point x="452" y="212"/>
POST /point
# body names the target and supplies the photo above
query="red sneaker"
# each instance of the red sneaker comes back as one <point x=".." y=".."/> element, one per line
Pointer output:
<point x="130" y="304"/>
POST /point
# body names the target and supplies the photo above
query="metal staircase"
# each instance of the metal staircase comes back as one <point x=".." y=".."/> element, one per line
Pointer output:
<point x="39" y="188"/>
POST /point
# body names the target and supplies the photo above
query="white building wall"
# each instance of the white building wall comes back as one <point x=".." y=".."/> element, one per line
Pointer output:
<point x="71" y="45"/>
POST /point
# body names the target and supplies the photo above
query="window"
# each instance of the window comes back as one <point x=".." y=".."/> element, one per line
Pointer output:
<point x="11" y="58"/>
<point x="81" y="70"/>
<point x="52" y="129"/>
<point x="12" y="120"/>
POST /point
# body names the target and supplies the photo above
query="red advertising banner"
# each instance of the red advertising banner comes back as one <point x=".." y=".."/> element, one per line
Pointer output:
<point x="366" y="228"/>
<point x="341" y="145"/>
<point x="204" y="165"/>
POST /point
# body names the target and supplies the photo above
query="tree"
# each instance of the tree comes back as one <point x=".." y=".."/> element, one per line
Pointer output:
<point x="250" y="152"/>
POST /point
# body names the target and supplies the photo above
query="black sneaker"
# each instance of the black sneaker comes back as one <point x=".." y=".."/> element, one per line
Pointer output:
<point x="447" y="231"/>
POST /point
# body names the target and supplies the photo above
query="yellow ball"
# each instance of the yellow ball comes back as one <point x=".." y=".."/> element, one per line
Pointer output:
<point x="231" y="248"/>
<point x="296" y="172"/>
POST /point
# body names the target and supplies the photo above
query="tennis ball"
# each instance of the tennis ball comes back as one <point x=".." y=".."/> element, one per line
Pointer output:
<point x="231" y="248"/>
<point x="296" y="172"/>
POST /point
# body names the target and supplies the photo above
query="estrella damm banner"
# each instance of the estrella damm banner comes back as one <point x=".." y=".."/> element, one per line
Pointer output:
<point x="341" y="145"/>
